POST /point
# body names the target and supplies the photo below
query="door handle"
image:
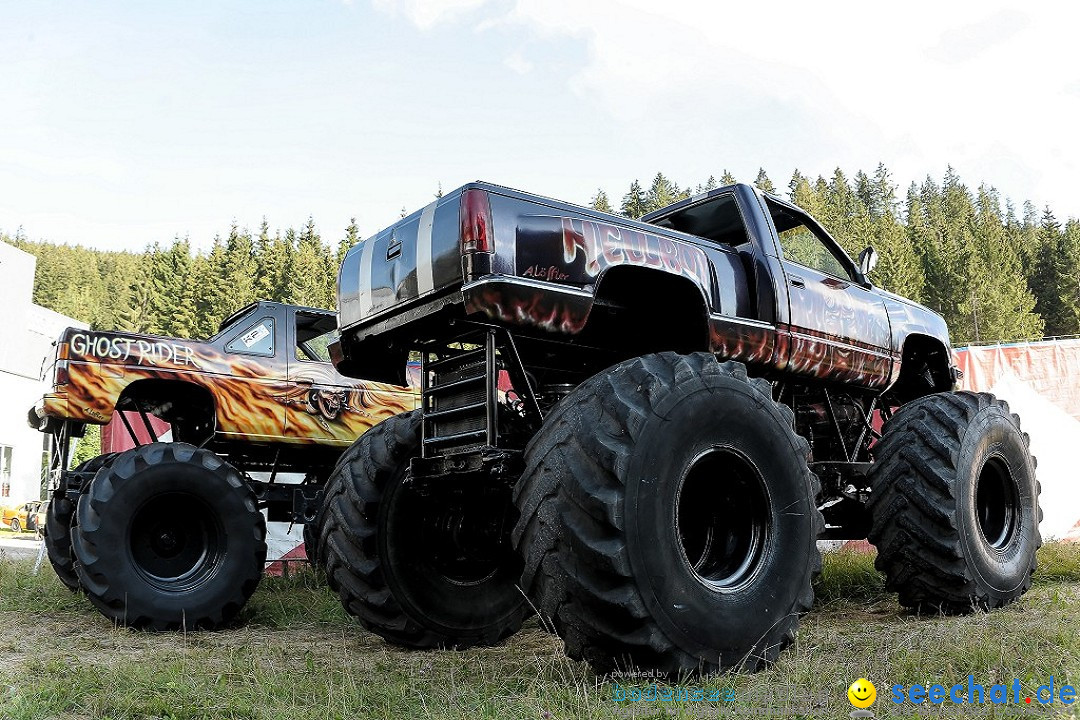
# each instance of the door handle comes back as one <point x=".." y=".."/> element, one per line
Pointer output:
<point x="797" y="281"/>
<point x="304" y="381"/>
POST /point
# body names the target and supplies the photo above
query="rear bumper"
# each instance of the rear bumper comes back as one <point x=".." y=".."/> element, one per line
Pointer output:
<point x="378" y="349"/>
<point x="514" y="301"/>
<point x="52" y="406"/>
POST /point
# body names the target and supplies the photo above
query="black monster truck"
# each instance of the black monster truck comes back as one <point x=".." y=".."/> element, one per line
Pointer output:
<point x="644" y="427"/>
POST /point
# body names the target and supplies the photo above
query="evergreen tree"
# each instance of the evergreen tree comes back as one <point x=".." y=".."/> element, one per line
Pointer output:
<point x="206" y="318"/>
<point x="135" y="314"/>
<point x="634" y="202"/>
<point x="213" y="302"/>
<point x="661" y="193"/>
<point x="240" y="268"/>
<point x="1070" y="282"/>
<point x="844" y="214"/>
<point x="1000" y="304"/>
<point x="726" y="178"/>
<point x="993" y="275"/>
<point x="710" y="184"/>
<point x="1051" y="280"/>
<point x="272" y="256"/>
<point x="763" y="183"/>
<point x="310" y="279"/>
<point x="169" y="272"/>
<point x="898" y="268"/>
<point x="352" y="237"/>
<point x="807" y="196"/>
<point x="601" y="202"/>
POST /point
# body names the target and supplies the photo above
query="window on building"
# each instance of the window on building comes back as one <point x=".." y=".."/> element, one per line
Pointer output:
<point x="5" y="471"/>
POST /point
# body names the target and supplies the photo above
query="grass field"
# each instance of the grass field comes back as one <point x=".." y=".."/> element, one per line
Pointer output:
<point x="297" y="654"/>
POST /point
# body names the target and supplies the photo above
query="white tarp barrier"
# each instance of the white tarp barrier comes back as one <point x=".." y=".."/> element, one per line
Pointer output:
<point x="1041" y="383"/>
<point x="1055" y="435"/>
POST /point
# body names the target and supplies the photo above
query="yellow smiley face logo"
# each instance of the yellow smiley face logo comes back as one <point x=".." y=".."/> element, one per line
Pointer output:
<point x="862" y="693"/>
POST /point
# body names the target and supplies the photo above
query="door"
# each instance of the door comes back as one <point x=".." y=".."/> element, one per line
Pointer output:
<point x="248" y="393"/>
<point x="839" y="329"/>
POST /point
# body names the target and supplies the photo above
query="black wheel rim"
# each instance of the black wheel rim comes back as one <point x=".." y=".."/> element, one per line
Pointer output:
<point x="465" y="549"/>
<point x="457" y="540"/>
<point x="176" y="542"/>
<point x="997" y="503"/>
<point x="722" y="517"/>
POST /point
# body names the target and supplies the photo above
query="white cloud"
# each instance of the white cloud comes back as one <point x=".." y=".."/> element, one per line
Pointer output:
<point x="427" y="13"/>
<point x="517" y="62"/>
<point x="982" y="86"/>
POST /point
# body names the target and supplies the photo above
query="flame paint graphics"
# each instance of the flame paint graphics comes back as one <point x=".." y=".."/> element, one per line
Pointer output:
<point x="523" y="305"/>
<point x="826" y="360"/>
<point x="326" y="408"/>
<point x="785" y="349"/>
<point x="836" y="337"/>
<point x="732" y="340"/>
<point x="833" y="313"/>
<point x="255" y="396"/>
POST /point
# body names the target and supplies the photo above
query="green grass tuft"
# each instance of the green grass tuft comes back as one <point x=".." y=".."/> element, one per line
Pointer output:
<point x="297" y="654"/>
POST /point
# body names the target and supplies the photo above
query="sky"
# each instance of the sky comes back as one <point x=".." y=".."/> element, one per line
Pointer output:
<point x="124" y="124"/>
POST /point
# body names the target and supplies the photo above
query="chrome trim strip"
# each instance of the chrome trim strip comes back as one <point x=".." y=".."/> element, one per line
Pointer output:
<point x="425" y="271"/>
<point x="538" y="284"/>
<point x="366" y="271"/>
<point x="742" y="321"/>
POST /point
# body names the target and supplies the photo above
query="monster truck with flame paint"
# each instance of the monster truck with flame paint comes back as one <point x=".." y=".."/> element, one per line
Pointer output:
<point x="689" y="408"/>
<point x="172" y="533"/>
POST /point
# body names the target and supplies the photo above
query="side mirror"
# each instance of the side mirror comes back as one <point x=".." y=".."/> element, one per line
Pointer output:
<point x="867" y="261"/>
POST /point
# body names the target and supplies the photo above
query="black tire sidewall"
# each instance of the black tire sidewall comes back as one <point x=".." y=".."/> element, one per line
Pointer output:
<point x="1002" y="573"/>
<point x="59" y="520"/>
<point x="472" y="613"/>
<point x="686" y="423"/>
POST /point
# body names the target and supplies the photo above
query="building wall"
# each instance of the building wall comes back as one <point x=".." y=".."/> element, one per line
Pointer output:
<point x="27" y="332"/>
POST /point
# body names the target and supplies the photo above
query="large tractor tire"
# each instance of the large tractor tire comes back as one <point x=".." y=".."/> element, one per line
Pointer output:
<point x="59" y="517"/>
<point x="419" y="571"/>
<point x="668" y="518"/>
<point x="955" y="504"/>
<point x="314" y="546"/>
<point x="169" y="537"/>
<point x="313" y="530"/>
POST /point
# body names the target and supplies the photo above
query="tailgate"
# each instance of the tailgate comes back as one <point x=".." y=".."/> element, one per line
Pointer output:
<point x="418" y="256"/>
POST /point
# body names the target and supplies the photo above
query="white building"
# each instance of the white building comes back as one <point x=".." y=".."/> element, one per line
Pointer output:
<point x="27" y="332"/>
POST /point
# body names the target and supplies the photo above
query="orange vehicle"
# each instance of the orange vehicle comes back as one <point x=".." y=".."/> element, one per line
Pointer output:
<point x="172" y="533"/>
<point x="21" y="517"/>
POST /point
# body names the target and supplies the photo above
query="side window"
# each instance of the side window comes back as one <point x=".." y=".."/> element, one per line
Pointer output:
<point x="256" y="339"/>
<point x="717" y="219"/>
<point x="800" y="244"/>
<point x="314" y="333"/>
<point x="317" y="349"/>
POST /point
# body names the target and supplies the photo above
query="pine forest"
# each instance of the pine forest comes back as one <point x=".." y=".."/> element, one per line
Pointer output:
<point x="995" y="271"/>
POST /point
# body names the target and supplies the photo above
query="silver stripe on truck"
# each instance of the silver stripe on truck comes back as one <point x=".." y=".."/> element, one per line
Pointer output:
<point x="425" y="272"/>
<point x="365" y="275"/>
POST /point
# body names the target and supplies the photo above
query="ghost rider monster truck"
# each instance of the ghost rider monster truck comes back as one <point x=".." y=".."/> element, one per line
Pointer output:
<point x="645" y="427"/>
<point x="171" y="533"/>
